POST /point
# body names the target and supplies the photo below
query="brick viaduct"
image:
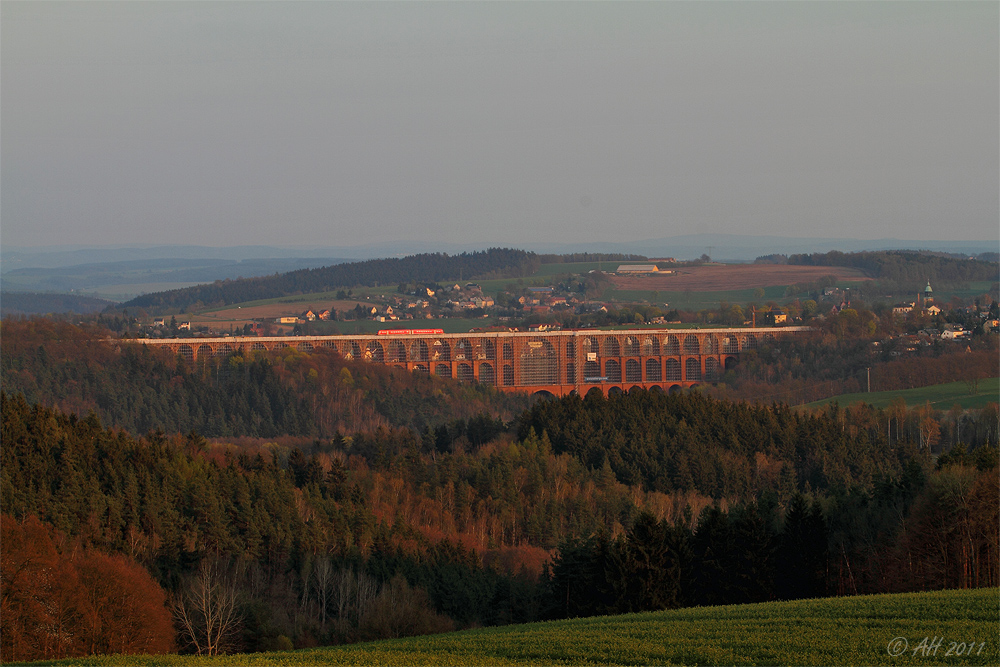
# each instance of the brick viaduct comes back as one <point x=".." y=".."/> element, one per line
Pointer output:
<point x="558" y="363"/>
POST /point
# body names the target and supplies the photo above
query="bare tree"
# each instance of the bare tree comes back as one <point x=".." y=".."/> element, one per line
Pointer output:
<point x="323" y="577"/>
<point x="206" y="609"/>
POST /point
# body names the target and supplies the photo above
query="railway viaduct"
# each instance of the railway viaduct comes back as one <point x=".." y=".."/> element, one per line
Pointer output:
<point x="557" y="363"/>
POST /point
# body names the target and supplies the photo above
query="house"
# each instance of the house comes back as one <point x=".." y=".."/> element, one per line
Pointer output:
<point x="325" y="314"/>
<point x="309" y="316"/>
<point x="158" y="322"/>
<point x="186" y="326"/>
<point x="902" y="308"/>
<point x="779" y="316"/>
<point x="287" y="320"/>
<point x="933" y="310"/>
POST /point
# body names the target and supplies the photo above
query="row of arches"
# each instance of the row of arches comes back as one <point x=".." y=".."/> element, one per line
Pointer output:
<point x="654" y="346"/>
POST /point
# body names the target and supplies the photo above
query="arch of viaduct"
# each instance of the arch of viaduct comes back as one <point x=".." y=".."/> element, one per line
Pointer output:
<point x="559" y="362"/>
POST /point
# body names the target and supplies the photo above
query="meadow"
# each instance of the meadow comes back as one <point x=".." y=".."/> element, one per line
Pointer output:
<point x="939" y="396"/>
<point x="957" y="627"/>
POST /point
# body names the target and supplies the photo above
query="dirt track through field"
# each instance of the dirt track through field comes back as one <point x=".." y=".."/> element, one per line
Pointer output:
<point x="721" y="277"/>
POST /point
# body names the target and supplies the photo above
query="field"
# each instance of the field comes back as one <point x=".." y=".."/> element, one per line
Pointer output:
<point x="937" y="628"/>
<point x="940" y="396"/>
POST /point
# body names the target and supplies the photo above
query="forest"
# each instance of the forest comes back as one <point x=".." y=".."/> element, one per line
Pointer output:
<point x="904" y="269"/>
<point x="374" y="503"/>
<point x="427" y="267"/>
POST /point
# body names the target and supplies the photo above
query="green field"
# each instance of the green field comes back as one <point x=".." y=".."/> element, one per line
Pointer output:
<point x="864" y="630"/>
<point x="940" y="396"/>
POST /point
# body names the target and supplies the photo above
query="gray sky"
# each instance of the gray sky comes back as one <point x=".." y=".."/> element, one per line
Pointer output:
<point x="237" y="123"/>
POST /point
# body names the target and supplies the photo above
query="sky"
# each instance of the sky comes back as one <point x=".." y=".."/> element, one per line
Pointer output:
<point x="500" y="123"/>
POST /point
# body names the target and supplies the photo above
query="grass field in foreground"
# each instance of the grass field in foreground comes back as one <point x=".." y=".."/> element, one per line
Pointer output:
<point x="864" y="630"/>
<point x="940" y="396"/>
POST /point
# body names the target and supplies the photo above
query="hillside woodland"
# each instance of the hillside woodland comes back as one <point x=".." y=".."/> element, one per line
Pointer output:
<point x="428" y="267"/>
<point x="381" y="504"/>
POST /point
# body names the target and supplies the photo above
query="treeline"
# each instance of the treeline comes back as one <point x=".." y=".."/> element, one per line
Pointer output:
<point x="591" y="257"/>
<point x="290" y="393"/>
<point x="904" y="268"/>
<point x="667" y="442"/>
<point x="427" y="267"/>
<point x="909" y="533"/>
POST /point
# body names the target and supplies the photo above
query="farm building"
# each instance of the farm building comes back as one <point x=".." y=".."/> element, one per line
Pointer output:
<point x="637" y="268"/>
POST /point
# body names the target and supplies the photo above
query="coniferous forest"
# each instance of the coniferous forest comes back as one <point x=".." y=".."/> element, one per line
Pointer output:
<point x="302" y="500"/>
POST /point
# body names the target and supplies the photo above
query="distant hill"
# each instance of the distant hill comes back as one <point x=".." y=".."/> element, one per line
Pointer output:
<point x="34" y="303"/>
<point x="492" y="263"/>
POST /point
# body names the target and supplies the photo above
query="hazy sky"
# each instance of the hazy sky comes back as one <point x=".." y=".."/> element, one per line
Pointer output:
<point x="285" y="123"/>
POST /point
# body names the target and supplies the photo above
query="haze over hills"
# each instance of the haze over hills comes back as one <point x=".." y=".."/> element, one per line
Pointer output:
<point x="722" y="247"/>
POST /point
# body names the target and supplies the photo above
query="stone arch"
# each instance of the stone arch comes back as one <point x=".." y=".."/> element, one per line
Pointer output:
<point x="615" y="391"/>
<point x="612" y="371"/>
<point x="674" y="389"/>
<point x="591" y="346"/>
<point x="570" y="349"/>
<point x="712" y="369"/>
<point x="258" y="347"/>
<point x="656" y="389"/>
<point x="539" y="363"/>
<point x="442" y="370"/>
<point x="635" y="389"/>
<point x="305" y="346"/>
<point x="544" y="394"/>
<point x="730" y="345"/>
<point x="591" y="371"/>
<point x="224" y="350"/>
<point x="673" y="370"/>
<point x="631" y="346"/>
<point x="692" y="369"/>
<point x="633" y="371"/>
<point x="352" y="350"/>
<point x="508" y="352"/>
<point x="508" y="375"/>
<point x="489" y="349"/>
<point x="749" y="342"/>
<point x="204" y="351"/>
<point x="465" y="373"/>
<point x="375" y="353"/>
<point x="672" y="345"/>
<point x="329" y="344"/>
<point x="418" y="351"/>
<point x="421" y="368"/>
<point x="280" y="346"/>
<point x="651" y="346"/>
<point x="691" y="344"/>
<point x="442" y="350"/>
<point x="570" y="372"/>
<point x="654" y="373"/>
<point x="731" y="362"/>
<point x="486" y="374"/>
<point x="612" y="348"/>
<point x="710" y="344"/>
<point x="463" y="350"/>
<point x="186" y="352"/>
<point x="596" y="391"/>
<point x="397" y="351"/>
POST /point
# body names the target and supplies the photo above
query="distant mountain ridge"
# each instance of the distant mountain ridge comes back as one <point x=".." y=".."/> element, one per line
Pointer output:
<point x="723" y="247"/>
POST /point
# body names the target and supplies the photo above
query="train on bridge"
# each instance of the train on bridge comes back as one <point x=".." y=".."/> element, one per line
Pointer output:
<point x="557" y="362"/>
